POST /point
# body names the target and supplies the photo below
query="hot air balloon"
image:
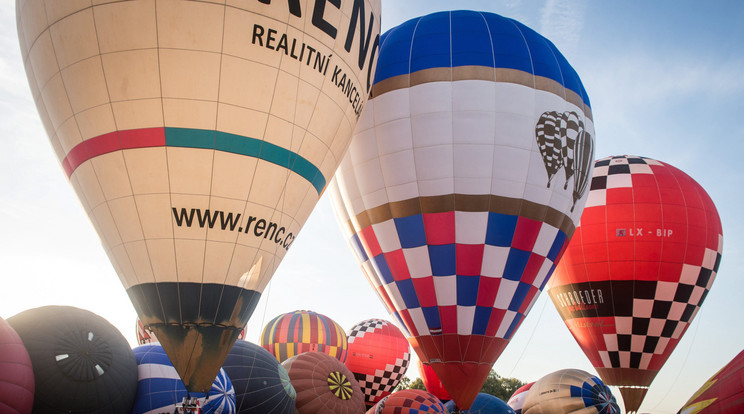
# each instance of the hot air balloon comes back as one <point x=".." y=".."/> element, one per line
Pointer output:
<point x="323" y="384"/>
<point x="159" y="388"/>
<point x="570" y="391"/>
<point x="640" y="266"/>
<point x="447" y="190"/>
<point x="16" y="373"/>
<point x="484" y="404"/>
<point x="293" y="333"/>
<point x="81" y="362"/>
<point x="432" y="382"/>
<point x="516" y="401"/>
<point x="722" y="393"/>
<point x="379" y="356"/>
<point x="198" y="136"/>
<point x="261" y="383"/>
<point x="409" y="401"/>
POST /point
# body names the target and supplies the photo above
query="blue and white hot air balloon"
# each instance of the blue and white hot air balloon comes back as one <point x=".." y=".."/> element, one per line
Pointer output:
<point x="159" y="387"/>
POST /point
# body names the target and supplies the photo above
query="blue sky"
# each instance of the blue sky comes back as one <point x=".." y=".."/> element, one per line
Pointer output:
<point x="665" y="79"/>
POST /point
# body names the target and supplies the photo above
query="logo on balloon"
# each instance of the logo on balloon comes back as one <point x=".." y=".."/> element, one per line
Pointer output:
<point x="564" y="143"/>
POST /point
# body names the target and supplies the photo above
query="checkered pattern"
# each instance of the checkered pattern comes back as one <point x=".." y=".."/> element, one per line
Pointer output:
<point x="384" y="381"/>
<point x="563" y="142"/>
<point x="409" y="402"/>
<point x="650" y="238"/>
<point x="641" y="338"/>
<point x="441" y="281"/>
<point x="548" y="132"/>
<point x="616" y="172"/>
<point x="571" y="128"/>
<point x="583" y="157"/>
<point x="360" y="329"/>
<point x="379" y="356"/>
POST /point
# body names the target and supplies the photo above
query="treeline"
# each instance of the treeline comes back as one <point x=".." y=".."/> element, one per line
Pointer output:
<point x="495" y="385"/>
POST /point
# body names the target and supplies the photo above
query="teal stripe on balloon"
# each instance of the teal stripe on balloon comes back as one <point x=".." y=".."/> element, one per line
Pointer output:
<point x="252" y="147"/>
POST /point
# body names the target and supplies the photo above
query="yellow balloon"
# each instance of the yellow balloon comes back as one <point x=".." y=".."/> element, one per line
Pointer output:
<point x="198" y="136"/>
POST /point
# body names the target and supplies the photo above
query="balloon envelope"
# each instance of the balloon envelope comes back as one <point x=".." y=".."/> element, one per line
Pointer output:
<point x="323" y="384"/>
<point x="432" y="382"/>
<point x="81" y="362"/>
<point x="293" y="333"/>
<point x="378" y="356"/>
<point x="409" y="401"/>
<point x="722" y="393"/>
<point x="16" y="373"/>
<point x="638" y="269"/>
<point x="570" y="391"/>
<point x="484" y="404"/>
<point x="465" y="178"/>
<point x="159" y="388"/>
<point x="261" y="383"/>
<point x="516" y="401"/>
<point x="198" y="136"/>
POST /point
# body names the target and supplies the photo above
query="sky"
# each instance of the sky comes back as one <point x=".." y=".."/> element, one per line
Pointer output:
<point x="665" y="80"/>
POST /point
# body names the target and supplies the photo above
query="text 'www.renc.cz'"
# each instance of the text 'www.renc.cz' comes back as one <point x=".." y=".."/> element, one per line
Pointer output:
<point x="232" y="222"/>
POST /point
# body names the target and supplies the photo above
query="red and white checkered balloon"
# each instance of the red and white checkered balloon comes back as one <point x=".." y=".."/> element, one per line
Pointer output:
<point x="639" y="267"/>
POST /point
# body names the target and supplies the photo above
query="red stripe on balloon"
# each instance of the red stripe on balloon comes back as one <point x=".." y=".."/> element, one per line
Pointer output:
<point x="110" y="142"/>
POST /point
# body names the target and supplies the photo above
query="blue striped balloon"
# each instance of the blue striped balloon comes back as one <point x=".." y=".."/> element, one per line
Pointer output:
<point x="159" y="387"/>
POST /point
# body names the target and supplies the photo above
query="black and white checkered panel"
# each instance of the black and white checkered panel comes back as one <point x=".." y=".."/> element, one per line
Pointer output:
<point x="367" y="326"/>
<point x="548" y="135"/>
<point x="654" y="321"/>
<point x="615" y="172"/>
<point x="384" y="381"/>
<point x="571" y="128"/>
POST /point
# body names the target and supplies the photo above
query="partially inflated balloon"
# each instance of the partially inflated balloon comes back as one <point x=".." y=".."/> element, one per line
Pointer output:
<point x="722" y="393"/>
<point x="198" y="136"/>
<point x="570" y="391"/>
<point x="81" y="362"/>
<point x="432" y="382"/>
<point x="640" y="266"/>
<point x="378" y="356"/>
<point x="159" y="388"/>
<point x="261" y="383"/>
<point x="516" y="401"/>
<point x="484" y="404"/>
<point x="16" y="373"/>
<point x="452" y="183"/>
<point x="323" y="384"/>
<point x="293" y="333"/>
<point x="409" y="401"/>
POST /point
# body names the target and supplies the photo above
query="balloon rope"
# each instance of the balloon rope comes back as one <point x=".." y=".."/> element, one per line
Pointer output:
<point x="687" y="355"/>
<point x="266" y="305"/>
<point x="530" y="339"/>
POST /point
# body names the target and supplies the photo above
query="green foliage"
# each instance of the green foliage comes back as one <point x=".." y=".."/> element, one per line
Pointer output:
<point x="406" y="383"/>
<point x="495" y="385"/>
<point x="418" y="384"/>
<point x="500" y="387"/>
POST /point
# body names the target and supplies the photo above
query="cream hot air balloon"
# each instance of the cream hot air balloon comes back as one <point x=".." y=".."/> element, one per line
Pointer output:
<point x="198" y="137"/>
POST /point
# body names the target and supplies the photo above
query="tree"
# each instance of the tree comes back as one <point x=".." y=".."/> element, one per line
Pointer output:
<point x="406" y="383"/>
<point x="500" y="387"/>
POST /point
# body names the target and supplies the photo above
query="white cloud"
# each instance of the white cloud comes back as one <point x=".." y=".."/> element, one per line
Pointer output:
<point x="561" y="21"/>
